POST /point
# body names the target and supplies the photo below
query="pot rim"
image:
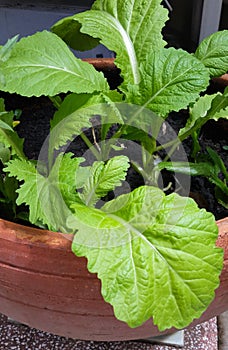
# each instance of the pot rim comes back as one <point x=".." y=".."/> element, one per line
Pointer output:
<point x="59" y="240"/>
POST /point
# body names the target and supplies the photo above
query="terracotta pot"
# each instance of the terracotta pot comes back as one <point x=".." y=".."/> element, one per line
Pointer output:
<point x="44" y="285"/>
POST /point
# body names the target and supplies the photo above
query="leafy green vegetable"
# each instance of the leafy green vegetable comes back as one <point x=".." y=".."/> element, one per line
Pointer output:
<point x="149" y="244"/>
<point x="155" y="254"/>
<point x="44" y="62"/>
<point x="130" y="28"/>
<point x="48" y="195"/>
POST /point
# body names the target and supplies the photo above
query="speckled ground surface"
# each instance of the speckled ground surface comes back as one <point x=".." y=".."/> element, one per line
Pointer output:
<point x="20" y="337"/>
<point x="223" y="331"/>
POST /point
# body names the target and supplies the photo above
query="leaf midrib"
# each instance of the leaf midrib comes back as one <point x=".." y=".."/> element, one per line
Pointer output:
<point x="129" y="47"/>
<point x="49" y="67"/>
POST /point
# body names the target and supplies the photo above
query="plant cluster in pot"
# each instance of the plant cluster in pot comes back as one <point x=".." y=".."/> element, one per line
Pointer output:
<point x="153" y="255"/>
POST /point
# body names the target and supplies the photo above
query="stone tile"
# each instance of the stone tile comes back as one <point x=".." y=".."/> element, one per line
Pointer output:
<point x="20" y="337"/>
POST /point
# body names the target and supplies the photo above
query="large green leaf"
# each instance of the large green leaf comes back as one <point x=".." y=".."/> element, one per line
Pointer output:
<point x="213" y="53"/>
<point x="130" y="28"/>
<point x="155" y="256"/>
<point x="103" y="178"/>
<point x="172" y="80"/>
<point x="42" y="64"/>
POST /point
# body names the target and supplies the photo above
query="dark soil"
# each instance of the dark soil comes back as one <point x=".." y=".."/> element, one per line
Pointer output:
<point x="34" y="128"/>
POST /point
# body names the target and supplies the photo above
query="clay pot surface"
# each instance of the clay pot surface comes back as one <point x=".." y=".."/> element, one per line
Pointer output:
<point x="44" y="285"/>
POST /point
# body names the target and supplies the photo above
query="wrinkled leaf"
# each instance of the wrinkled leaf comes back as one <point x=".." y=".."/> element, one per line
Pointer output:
<point x="155" y="256"/>
<point x="103" y="178"/>
<point x="213" y="53"/>
<point x="25" y="171"/>
<point x="69" y="177"/>
<point x="47" y="196"/>
<point x="172" y="80"/>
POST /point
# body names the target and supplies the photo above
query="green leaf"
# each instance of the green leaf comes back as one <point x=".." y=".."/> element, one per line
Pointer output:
<point x="193" y="169"/>
<point x="11" y="139"/>
<point x="172" y="80"/>
<point x="42" y="64"/>
<point x="68" y="29"/>
<point x="10" y="187"/>
<point x="4" y="153"/>
<point x="213" y="53"/>
<point x="8" y="136"/>
<point x="219" y="106"/>
<point x="75" y="115"/>
<point x="211" y="166"/>
<point x="199" y="110"/>
<point x="4" y="125"/>
<point x="221" y="197"/>
<point x="206" y="108"/>
<point x="223" y="113"/>
<point x="69" y="177"/>
<point x="130" y="28"/>
<point x="26" y="171"/>
<point x="70" y="119"/>
<point x="155" y="256"/>
<point x="104" y="177"/>
<point x="217" y="160"/>
<point x="2" y="105"/>
<point x="5" y="50"/>
<point x="47" y="196"/>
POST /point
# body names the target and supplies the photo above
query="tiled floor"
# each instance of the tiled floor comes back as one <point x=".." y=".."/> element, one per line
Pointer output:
<point x="20" y="337"/>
